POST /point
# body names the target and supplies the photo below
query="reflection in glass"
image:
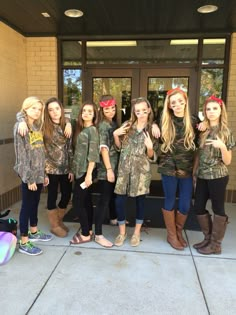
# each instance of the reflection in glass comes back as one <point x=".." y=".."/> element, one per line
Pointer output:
<point x="120" y="89"/>
<point x="213" y="51"/>
<point x="158" y="87"/>
<point x="211" y="84"/>
<point x="72" y="96"/>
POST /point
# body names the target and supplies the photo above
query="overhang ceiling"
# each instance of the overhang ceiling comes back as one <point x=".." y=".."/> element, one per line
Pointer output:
<point x="118" y="18"/>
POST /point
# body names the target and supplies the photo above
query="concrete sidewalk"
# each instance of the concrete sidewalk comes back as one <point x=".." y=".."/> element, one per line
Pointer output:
<point x="150" y="279"/>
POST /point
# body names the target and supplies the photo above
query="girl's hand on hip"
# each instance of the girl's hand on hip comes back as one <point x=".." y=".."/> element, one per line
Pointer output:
<point x="32" y="187"/>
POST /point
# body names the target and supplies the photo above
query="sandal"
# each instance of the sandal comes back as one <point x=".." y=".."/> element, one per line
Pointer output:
<point x="77" y="239"/>
<point x="101" y="240"/>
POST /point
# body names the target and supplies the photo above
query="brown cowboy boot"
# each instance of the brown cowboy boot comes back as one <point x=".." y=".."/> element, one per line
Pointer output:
<point x="56" y="229"/>
<point x="61" y="214"/>
<point x="205" y="223"/>
<point x="180" y="220"/>
<point x="172" y="239"/>
<point x="218" y="232"/>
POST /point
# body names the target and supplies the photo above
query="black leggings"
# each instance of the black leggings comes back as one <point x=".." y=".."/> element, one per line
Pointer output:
<point x="65" y="189"/>
<point x="213" y="189"/>
<point x="106" y="201"/>
<point x="83" y="207"/>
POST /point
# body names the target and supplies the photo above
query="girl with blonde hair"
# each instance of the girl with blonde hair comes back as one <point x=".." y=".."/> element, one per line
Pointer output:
<point x="178" y="136"/>
<point x="30" y="167"/>
<point x="214" y="155"/>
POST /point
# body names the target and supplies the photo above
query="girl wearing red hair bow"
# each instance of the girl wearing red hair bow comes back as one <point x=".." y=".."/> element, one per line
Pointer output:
<point x="178" y="136"/>
<point x="214" y="154"/>
<point x="107" y="168"/>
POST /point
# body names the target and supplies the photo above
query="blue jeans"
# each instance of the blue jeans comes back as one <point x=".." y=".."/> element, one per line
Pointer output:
<point x="120" y="208"/>
<point x="185" y="188"/>
<point x="29" y="208"/>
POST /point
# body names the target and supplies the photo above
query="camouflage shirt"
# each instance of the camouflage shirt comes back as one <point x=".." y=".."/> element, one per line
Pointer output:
<point x="179" y="162"/>
<point x="211" y="165"/>
<point x="30" y="158"/>
<point x="86" y="150"/>
<point x="134" y="171"/>
<point x="59" y="153"/>
<point x="106" y="139"/>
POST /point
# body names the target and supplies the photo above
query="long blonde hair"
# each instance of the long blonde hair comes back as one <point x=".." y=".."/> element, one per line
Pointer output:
<point x="168" y="131"/>
<point x="29" y="102"/>
<point x="223" y="130"/>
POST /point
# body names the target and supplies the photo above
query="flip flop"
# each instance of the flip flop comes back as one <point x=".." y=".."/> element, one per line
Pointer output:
<point x="77" y="239"/>
<point x="101" y="240"/>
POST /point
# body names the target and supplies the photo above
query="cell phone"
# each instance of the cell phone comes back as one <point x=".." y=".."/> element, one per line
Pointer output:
<point x="83" y="185"/>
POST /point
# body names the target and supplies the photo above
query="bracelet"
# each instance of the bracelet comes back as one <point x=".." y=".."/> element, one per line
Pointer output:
<point x="109" y="169"/>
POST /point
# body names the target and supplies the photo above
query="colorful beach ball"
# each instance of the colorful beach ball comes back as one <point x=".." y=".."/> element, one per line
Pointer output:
<point x="7" y="246"/>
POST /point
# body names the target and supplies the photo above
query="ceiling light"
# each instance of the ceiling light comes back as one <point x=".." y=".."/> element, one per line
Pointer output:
<point x="73" y="13"/>
<point x="184" y="42"/>
<point x="210" y="41"/>
<point x="45" y="14"/>
<point x="209" y="8"/>
<point x="115" y="43"/>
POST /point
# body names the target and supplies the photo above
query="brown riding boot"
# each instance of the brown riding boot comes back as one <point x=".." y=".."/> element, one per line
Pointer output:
<point x="56" y="229"/>
<point x="172" y="239"/>
<point x="180" y="220"/>
<point x="205" y="223"/>
<point x="218" y="232"/>
<point x="61" y="214"/>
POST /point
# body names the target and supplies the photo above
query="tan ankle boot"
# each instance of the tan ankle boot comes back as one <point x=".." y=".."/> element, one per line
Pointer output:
<point x="61" y="214"/>
<point x="56" y="229"/>
<point x="180" y="221"/>
<point x="172" y="239"/>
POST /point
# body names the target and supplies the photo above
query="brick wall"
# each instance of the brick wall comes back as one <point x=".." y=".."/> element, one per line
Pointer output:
<point x="41" y="54"/>
<point x="231" y="109"/>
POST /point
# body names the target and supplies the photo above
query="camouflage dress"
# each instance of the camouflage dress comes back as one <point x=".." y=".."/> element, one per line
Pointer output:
<point x="134" y="170"/>
<point x="179" y="162"/>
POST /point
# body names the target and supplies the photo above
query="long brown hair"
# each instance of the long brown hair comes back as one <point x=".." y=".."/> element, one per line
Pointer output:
<point x="80" y="123"/>
<point x="103" y="98"/>
<point x="223" y="130"/>
<point x="48" y="123"/>
<point x="133" y="118"/>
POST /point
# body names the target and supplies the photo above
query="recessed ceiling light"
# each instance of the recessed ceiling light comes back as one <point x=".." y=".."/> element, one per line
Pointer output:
<point x="45" y="14"/>
<point x="73" y="13"/>
<point x="209" y="8"/>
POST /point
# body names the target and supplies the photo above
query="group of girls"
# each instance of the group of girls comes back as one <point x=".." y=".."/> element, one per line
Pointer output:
<point x="123" y="156"/>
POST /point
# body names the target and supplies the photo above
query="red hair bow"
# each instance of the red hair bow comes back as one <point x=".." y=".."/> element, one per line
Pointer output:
<point x="108" y="103"/>
<point x="214" y="99"/>
<point x="175" y="90"/>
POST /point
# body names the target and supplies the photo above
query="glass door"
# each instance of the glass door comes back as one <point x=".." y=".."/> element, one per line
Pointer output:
<point x="120" y="83"/>
<point x="154" y="84"/>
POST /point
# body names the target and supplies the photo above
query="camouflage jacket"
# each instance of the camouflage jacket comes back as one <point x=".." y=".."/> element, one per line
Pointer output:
<point x="211" y="165"/>
<point x="106" y="139"/>
<point x="30" y="157"/>
<point x="86" y="150"/>
<point x="179" y="162"/>
<point x="134" y="170"/>
<point x="59" y="153"/>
